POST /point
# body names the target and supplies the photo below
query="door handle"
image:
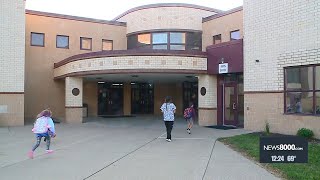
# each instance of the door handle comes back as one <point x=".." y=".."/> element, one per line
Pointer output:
<point x="234" y="106"/>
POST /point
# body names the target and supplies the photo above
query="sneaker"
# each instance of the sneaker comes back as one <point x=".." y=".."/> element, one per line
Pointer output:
<point x="189" y="131"/>
<point x="49" y="151"/>
<point x="30" y="154"/>
<point x="169" y="140"/>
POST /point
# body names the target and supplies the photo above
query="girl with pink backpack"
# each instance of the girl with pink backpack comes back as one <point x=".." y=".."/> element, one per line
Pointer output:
<point x="43" y="127"/>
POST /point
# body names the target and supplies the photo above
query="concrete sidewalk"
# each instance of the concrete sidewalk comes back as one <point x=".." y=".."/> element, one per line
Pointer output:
<point x="125" y="148"/>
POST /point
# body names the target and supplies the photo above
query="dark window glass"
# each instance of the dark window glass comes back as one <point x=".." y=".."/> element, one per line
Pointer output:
<point x="235" y="35"/>
<point x="301" y="93"/>
<point x="85" y="43"/>
<point x="62" y="41"/>
<point x="217" y="39"/>
<point x="159" y="38"/>
<point x="177" y="38"/>
<point x="37" y="39"/>
<point x="107" y="45"/>
<point x="194" y="41"/>
<point x="318" y="103"/>
<point x="300" y="78"/>
<point x="132" y="41"/>
<point x="317" y="77"/>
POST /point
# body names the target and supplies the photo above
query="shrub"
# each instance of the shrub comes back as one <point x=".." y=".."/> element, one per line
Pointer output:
<point x="304" y="132"/>
<point x="267" y="128"/>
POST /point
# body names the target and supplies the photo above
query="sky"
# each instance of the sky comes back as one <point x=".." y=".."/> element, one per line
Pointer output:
<point x="109" y="9"/>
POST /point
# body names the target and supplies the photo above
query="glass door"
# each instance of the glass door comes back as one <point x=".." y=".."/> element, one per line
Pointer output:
<point x="142" y="95"/>
<point x="230" y="104"/>
<point x="110" y="99"/>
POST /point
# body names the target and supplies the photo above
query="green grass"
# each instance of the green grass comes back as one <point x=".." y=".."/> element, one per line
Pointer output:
<point x="249" y="145"/>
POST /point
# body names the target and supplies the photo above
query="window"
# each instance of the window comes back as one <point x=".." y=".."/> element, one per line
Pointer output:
<point x="37" y="39"/>
<point x="85" y="43"/>
<point x="107" y="45"/>
<point x="177" y="41"/>
<point x="62" y="41"/>
<point x="302" y="90"/>
<point x="166" y="40"/>
<point x="144" y="40"/>
<point x="235" y="35"/>
<point x="217" y="39"/>
<point x="160" y="40"/>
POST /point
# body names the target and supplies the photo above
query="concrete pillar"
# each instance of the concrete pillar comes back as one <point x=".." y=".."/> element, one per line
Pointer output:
<point x="74" y="98"/>
<point x="208" y="101"/>
<point x="127" y="99"/>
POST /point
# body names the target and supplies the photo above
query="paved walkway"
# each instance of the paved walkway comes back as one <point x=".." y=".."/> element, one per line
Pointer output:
<point x="132" y="148"/>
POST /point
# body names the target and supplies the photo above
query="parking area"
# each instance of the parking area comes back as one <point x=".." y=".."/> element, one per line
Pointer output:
<point x="125" y="148"/>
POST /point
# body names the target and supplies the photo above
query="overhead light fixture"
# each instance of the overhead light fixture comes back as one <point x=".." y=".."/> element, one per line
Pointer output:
<point x="135" y="76"/>
<point x="101" y="82"/>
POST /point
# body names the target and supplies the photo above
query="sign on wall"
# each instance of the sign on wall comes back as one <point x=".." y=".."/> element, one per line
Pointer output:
<point x="223" y="68"/>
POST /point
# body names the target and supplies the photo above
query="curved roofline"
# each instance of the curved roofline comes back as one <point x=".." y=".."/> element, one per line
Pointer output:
<point x="149" y="6"/>
<point x="75" y="18"/>
<point x="131" y="52"/>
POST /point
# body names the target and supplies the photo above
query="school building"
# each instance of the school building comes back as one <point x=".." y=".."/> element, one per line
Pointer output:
<point x="247" y="67"/>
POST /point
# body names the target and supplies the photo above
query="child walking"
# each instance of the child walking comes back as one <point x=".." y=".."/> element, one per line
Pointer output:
<point x="168" y="109"/>
<point x="43" y="127"/>
<point x="189" y="114"/>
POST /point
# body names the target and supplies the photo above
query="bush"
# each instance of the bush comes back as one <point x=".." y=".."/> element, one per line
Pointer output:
<point x="304" y="132"/>
<point x="267" y="128"/>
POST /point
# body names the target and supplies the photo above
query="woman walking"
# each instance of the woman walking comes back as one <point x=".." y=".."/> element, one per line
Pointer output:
<point x="168" y="109"/>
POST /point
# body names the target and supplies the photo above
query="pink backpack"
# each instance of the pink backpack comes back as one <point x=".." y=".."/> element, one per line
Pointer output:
<point x="41" y="125"/>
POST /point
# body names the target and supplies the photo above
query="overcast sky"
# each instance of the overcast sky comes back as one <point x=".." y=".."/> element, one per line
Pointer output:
<point x="109" y="9"/>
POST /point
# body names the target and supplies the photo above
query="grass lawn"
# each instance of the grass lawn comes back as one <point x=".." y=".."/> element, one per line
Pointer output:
<point x="248" y="144"/>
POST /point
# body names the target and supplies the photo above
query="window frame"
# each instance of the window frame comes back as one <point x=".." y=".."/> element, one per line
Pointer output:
<point x="36" y="44"/>
<point x="134" y="44"/>
<point x="107" y="40"/>
<point x="81" y="48"/>
<point x="214" y="38"/>
<point x="233" y="32"/>
<point x="313" y="90"/>
<point x="57" y="41"/>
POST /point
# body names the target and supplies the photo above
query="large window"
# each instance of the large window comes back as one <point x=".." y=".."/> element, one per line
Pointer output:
<point x="166" y="41"/>
<point x="85" y="43"/>
<point x="302" y="90"/>
<point x="62" y="41"/>
<point x="37" y="39"/>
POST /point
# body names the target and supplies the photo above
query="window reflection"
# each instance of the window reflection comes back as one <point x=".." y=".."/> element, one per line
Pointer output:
<point x="179" y="38"/>
<point x="37" y="39"/>
<point x="166" y="40"/>
<point x="235" y="35"/>
<point x="317" y="77"/>
<point x="317" y="103"/>
<point x="159" y="38"/>
<point x="302" y="90"/>
<point x="143" y="39"/>
<point x="62" y="41"/>
<point x="299" y="78"/>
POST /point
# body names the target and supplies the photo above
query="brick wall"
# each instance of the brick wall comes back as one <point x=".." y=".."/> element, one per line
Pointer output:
<point x="222" y="25"/>
<point x="133" y="62"/>
<point x="12" y="52"/>
<point x="279" y="34"/>
<point x="165" y="18"/>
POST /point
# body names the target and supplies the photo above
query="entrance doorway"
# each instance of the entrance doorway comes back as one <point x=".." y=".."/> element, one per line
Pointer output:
<point x="230" y="100"/>
<point x="110" y="99"/>
<point x="142" y="98"/>
<point x="190" y="94"/>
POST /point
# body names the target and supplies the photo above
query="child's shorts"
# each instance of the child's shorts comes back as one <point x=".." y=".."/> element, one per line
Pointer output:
<point x="190" y="120"/>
